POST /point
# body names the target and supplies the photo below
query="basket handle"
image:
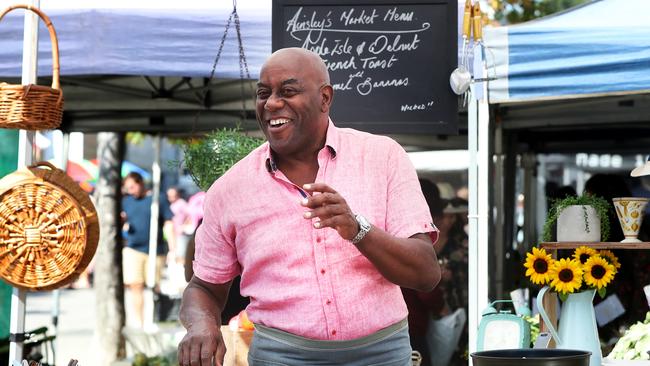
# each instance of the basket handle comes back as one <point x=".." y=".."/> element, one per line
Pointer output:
<point x="43" y="163"/>
<point x="55" y="42"/>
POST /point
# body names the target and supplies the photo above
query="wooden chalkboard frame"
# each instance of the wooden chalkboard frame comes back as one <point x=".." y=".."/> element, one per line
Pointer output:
<point x="420" y="116"/>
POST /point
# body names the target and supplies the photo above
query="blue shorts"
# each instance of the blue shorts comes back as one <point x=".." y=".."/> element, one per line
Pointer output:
<point x="387" y="347"/>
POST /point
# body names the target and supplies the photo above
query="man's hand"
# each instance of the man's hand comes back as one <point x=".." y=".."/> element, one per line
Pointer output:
<point x="407" y="262"/>
<point x="201" y="315"/>
<point x="202" y="343"/>
<point x="329" y="209"/>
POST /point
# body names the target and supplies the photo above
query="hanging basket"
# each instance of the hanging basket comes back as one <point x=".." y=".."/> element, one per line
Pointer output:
<point x="48" y="228"/>
<point x="33" y="107"/>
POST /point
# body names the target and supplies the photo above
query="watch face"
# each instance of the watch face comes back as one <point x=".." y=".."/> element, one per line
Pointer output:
<point x="501" y="334"/>
<point x="363" y="222"/>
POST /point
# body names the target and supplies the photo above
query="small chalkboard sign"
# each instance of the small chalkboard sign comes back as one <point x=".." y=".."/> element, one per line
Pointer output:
<point x="389" y="61"/>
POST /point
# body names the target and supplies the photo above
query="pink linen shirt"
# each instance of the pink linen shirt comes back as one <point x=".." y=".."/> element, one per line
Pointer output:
<point x="307" y="281"/>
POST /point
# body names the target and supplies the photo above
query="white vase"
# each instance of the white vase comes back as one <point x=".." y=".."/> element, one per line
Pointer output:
<point x="571" y="225"/>
<point x="630" y="211"/>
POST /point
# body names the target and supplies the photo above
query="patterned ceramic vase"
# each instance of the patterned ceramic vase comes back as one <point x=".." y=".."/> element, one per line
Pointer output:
<point x="630" y="211"/>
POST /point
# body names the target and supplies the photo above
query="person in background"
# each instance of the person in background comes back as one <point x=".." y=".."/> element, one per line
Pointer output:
<point x="324" y="224"/>
<point x="423" y="305"/>
<point x="181" y="217"/>
<point x="463" y="192"/>
<point x="452" y="250"/>
<point x="136" y="216"/>
<point x="635" y="264"/>
<point x="194" y="212"/>
<point x="608" y="186"/>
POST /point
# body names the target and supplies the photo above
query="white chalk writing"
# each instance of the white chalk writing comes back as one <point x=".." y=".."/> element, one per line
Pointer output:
<point x="416" y="107"/>
<point x="384" y="36"/>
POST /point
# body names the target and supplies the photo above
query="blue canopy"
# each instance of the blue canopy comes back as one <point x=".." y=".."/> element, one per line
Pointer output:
<point x="601" y="48"/>
<point x="113" y="38"/>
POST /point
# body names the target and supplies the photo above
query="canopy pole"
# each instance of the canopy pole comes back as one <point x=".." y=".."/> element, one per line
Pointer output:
<point x="478" y="142"/>
<point x="484" y="164"/>
<point x="64" y="156"/>
<point x="472" y="185"/>
<point x="153" y="235"/>
<point x="25" y="158"/>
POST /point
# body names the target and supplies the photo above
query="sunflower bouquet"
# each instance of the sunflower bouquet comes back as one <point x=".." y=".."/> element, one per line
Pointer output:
<point x="587" y="268"/>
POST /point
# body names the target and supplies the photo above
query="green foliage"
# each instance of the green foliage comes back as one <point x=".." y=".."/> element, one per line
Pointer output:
<point x="599" y="204"/>
<point x="134" y="138"/>
<point x="209" y="158"/>
<point x="563" y="296"/>
<point x="517" y="11"/>
<point x="140" y="359"/>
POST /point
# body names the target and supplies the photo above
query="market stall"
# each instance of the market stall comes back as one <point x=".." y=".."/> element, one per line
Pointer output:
<point x="575" y="80"/>
<point x="547" y="75"/>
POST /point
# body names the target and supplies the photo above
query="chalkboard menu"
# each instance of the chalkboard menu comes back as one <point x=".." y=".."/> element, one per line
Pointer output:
<point x="389" y="61"/>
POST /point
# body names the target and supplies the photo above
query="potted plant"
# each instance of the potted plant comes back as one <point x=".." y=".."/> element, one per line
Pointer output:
<point x="578" y="218"/>
<point x="210" y="157"/>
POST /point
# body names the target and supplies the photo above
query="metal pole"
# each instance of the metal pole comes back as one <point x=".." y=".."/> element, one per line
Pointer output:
<point x="25" y="157"/>
<point x="153" y="235"/>
<point x="56" y="294"/>
<point x="529" y="163"/>
<point x="484" y="163"/>
<point x="472" y="185"/>
<point x="499" y="242"/>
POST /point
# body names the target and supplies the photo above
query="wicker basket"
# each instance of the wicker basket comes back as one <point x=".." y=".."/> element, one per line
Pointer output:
<point x="33" y="107"/>
<point x="48" y="228"/>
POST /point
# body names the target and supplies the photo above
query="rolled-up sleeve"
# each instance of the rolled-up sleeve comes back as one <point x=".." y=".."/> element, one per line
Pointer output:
<point x="407" y="210"/>
<point x="215" y="258"/>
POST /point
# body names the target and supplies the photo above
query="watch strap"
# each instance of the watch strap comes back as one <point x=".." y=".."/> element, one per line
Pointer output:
<point x="364" y="228"/>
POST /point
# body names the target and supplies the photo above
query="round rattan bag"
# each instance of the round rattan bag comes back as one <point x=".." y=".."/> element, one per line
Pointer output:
<point x="48" y="228"/>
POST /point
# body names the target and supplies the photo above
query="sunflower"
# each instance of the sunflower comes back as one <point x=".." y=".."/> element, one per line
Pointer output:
<point x="609" y="256"/>
<point x="566" y="276"/>
<point x="583" y="253"/>
<point x="598" y="273"/>
<point x="539" y="265"/>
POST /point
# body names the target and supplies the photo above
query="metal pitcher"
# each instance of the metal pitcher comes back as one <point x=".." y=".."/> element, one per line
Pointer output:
<point x="577" y="328"/>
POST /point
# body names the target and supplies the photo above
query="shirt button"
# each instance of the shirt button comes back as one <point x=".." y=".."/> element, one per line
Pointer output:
<point x="334" y="332"/>
<point x="328" y="301"/>
<point x="318" y="240"/>
<point x="322" y="271"/>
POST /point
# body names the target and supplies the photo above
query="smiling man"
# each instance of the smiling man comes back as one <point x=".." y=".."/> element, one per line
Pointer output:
<point x="323" y="224"/>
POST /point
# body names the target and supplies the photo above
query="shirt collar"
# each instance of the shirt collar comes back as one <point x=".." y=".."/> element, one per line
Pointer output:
<point x="331" y="142"/>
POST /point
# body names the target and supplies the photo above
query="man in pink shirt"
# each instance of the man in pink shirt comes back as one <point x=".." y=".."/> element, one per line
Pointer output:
<point x="323" y="224"/>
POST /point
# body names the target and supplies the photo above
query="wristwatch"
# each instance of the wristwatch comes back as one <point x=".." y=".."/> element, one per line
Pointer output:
<point x="364" y="227"/>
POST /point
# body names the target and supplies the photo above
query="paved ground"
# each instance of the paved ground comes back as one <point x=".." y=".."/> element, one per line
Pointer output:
<point x="75" y="334"/>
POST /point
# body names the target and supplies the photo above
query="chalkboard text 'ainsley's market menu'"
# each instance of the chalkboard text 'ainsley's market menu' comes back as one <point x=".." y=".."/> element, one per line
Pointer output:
<point x="389" y="61"/>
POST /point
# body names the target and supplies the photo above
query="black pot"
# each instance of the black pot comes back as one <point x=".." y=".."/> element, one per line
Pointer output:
<point x="531" y="357"/>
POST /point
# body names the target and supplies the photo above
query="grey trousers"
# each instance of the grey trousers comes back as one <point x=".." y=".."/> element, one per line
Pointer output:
<point x="387" y="347"/>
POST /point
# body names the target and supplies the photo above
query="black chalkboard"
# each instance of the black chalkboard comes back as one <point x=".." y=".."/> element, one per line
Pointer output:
<point x="389" y="61"/>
